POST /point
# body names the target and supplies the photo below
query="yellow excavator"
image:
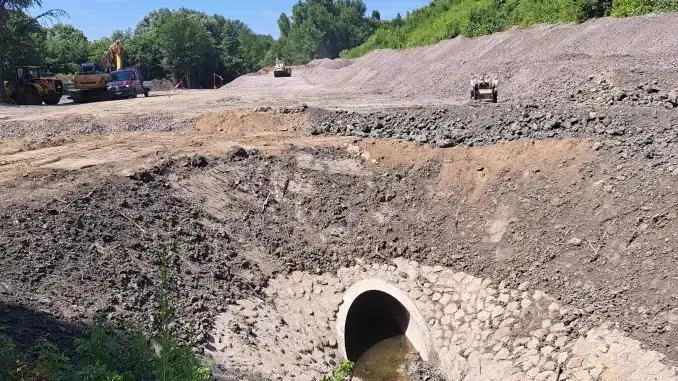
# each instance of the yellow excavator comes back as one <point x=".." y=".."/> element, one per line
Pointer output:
<point x="90" y="82"/>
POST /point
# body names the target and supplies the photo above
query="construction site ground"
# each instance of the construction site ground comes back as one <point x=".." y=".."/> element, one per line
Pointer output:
<point x="569" y="182"/>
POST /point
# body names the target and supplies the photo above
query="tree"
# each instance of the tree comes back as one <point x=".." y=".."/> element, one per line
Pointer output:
<point x="242" y="50"/>
<point x="230" y="48"/>
<point x="322" y="29"/>
<point x="284" y="25"/>
<point x="376" y="15"/>
<point x="595" y="8"/>
<point x="96" y="49"/>
<point x="184" y="43"/>
<point x="143" y="52"/>
<point x="65" y="46"/>
<point x="253" y="48"/>
<point x="23" y="44"/>
<point x="146" y="24"/>
<point x="10" y="9"/>
<point x="398" y="21"/>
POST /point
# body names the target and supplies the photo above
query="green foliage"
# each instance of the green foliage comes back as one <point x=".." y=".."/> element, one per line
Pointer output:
<point x="192" y="45"/>
<point x="65" y="47"/>
<point x="184" y="43"/>
<point x="9" y="358"/>
<point x="21" y="40"/>
<point x="110" y="354"/>
<point x="624" y="8"/>
<point x="96" y="49"/>
<point x="51" y="364"/>
<point x="242" y="50"/>
<point x="189" y="45"/>
<point x="21" y="35"/>
<point x="124" y="354"/>
<point x="341" y="372"/>
<point x="595" y="8"/>
<point x="284" y="24"/>
<point x="321" y="29"/>
<point x="444" y="19"/>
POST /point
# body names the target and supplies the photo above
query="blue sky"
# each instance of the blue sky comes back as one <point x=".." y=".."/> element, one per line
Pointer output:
<point x="98" y="18"/>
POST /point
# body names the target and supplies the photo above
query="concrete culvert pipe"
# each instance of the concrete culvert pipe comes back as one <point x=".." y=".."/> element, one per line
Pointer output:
<point x="374" y="310"/>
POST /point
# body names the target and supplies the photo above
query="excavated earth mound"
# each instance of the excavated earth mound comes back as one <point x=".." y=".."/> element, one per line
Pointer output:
<point x="596" y="231"/>
<point x="546" y="63"/>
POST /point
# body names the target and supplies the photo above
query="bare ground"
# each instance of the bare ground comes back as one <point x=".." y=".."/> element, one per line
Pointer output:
<point x="233" y="186"/>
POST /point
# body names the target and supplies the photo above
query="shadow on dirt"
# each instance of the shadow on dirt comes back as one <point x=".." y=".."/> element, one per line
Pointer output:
<point x="29" y="327"/>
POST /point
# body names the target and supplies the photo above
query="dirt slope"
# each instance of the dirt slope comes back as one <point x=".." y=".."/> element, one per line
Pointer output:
<point x="531" y="64"/>
<point x="554" y="213"/>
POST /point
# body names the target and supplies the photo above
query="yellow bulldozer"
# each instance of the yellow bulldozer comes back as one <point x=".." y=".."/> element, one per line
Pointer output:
<point x="28" y="86"/>
<point x="90" y="82"/>
<point x="280" y="70"/>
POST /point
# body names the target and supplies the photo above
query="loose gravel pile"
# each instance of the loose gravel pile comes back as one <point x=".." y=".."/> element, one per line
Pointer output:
<point x="650" y="132"/>
<point x="540" y="62"/>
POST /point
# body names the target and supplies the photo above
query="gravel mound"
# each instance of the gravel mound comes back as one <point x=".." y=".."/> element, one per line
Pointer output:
<point x="545" y="62"/>
<point x="648" y="133"/>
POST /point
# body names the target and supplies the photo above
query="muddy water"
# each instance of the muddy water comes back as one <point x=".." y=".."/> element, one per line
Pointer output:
<point x="386" y="361"/>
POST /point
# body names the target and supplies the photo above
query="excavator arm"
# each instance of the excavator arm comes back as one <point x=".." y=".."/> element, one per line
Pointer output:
<point x="113" y="54"/>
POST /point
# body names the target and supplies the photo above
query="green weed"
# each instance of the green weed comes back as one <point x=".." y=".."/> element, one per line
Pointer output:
<point x="341" y="372"/>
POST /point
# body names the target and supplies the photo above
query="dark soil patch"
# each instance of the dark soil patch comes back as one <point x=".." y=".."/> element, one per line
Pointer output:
<point x="224" y="226"/>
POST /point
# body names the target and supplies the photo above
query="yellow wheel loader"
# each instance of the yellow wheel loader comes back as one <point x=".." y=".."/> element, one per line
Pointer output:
<point x="28" y="87"/>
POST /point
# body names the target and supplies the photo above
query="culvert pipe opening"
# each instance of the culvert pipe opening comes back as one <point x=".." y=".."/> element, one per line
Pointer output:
<point x="381" y="331"/>
<point x="373" y="317"/>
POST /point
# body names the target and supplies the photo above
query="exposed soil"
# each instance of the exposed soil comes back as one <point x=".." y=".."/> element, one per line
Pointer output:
<point x="557" y="214"/>
<point x="569" y="182"/>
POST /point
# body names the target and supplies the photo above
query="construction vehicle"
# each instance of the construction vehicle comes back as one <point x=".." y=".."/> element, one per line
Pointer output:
<point x="484" y="89"/>
<point x="90" y="83"/>
<point x="281" y="70"/>
<point x="126" y="83"/>
<point x="28" y="87"/>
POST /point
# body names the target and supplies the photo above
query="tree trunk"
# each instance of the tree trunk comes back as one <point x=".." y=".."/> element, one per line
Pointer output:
<point x="188" y="77"/>
<point x="2" y="80"/>
<point x="3" y="18"/>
